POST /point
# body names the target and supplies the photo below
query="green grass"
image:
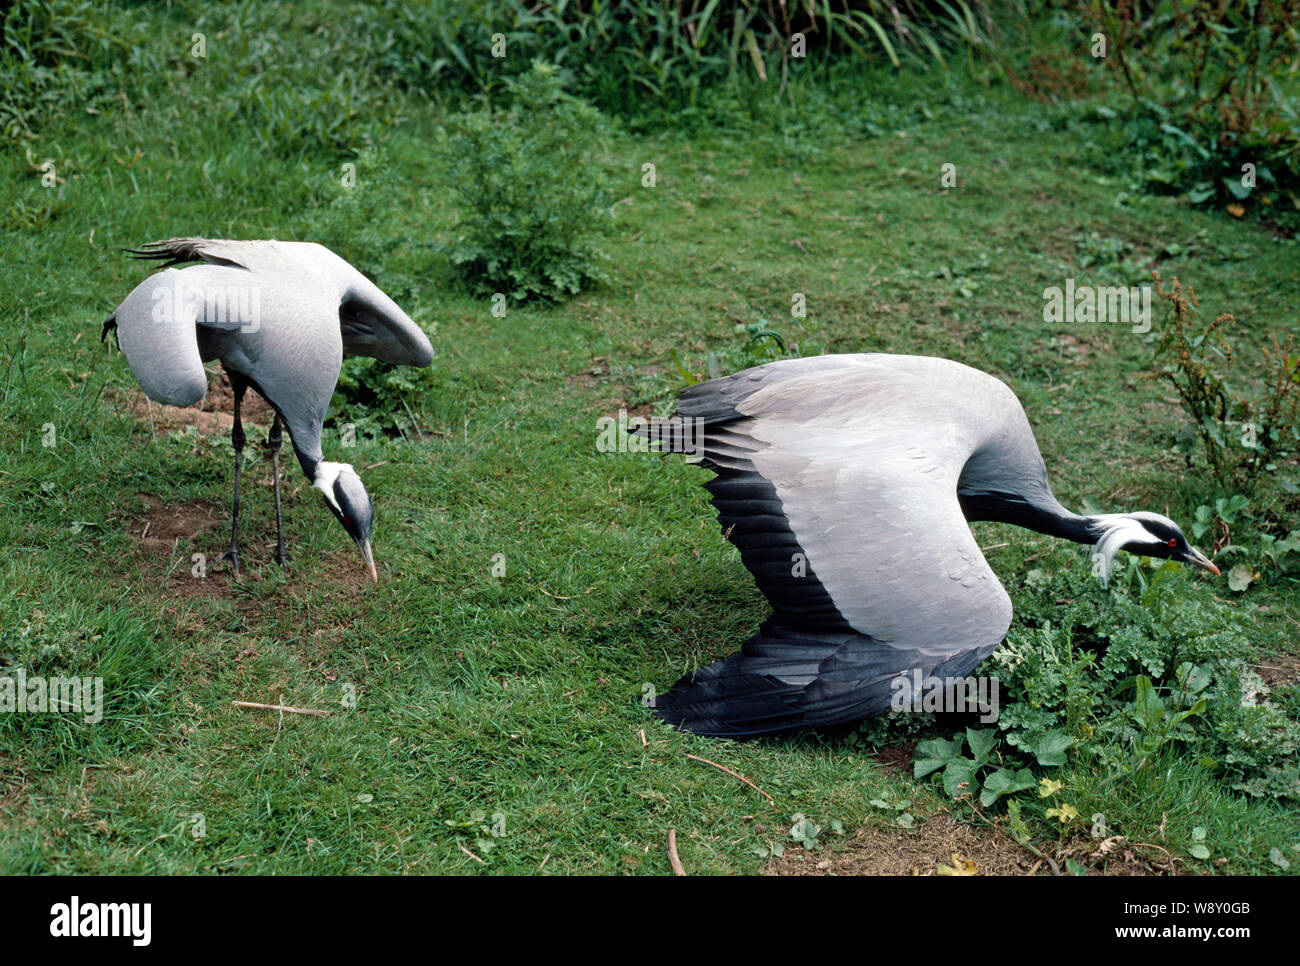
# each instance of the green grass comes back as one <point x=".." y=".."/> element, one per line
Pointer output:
<point x="520" y="695"/>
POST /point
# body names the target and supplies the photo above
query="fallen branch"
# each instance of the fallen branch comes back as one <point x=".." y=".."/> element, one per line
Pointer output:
<point x="673" y="859"/>
<point x="733" y="774"/>
<point x="281" y="707"/>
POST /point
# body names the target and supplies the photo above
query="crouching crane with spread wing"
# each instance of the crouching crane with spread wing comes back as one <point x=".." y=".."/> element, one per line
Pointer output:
<point x="848" y="482"/>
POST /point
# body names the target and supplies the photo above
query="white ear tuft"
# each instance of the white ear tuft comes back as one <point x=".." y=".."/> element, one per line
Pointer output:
<point x="1115" y="530"/>
<point x="327" y="474"/>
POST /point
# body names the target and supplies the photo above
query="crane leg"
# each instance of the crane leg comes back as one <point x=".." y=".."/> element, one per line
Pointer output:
<point x="273" y="440"/>
<point x="238" y="387"/>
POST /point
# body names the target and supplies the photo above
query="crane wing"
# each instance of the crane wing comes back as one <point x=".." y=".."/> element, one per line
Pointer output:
<point x="156" y="326"/>
<point x="373" y="325"/>
<point x="370" y="323"/>
<point x="841" y="495"/>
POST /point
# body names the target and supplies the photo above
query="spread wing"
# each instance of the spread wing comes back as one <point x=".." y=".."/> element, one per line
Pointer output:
<point x="841" y="493"/>
<point x="156" y="326"/>
<point x="370" y="323"/>
<point x="373" y="325"/>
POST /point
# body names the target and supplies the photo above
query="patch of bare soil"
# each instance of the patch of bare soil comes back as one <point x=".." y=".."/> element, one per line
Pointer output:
<point x="169" y="534"/>
<point x="1280" y="671"/>
<point x="213" y="414"/>
<point x="162" y="524"/>
<point x="346" y="575"/>
<point x="945" y="846"/>
<point x="599" y="374"/>
<point x="917" y="851"/>
<point x="595" y="373"/>
<point x="897" y="757"/>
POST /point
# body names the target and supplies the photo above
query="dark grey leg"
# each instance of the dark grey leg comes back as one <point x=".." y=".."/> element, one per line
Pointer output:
<point x="238" y="387"/>
<point x="273" y="440"/>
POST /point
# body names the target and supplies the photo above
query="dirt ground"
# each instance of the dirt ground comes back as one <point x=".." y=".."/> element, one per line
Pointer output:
<point x="946" y="846"/>
<point x="1280" y="671"/>
<point x="213" y="414"/>
<point x="168" y="534"/>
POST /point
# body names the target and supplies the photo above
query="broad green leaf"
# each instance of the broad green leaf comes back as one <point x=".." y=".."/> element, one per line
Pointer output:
<point x="1240" y="577"/>
<point x="959" y="771"/>
<point x="981" y="743"/>
<point x="1004" y="781"/>
<point x="932" y="755"/>
<point x="1051" y="748"/>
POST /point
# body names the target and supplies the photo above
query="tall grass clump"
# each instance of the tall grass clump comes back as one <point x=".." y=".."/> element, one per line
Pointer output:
<point x="1214" y="90"/>
<point x="646" y="60"/>
<point x="55" y="56"/>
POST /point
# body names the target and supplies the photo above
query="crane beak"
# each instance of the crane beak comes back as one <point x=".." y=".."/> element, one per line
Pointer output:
<point x="1198" y="559"/>
<point x="370" y="560"/>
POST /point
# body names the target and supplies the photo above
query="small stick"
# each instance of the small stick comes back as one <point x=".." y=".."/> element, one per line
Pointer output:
<point x="168" y="576"/>
<point x="643" y="741"/>
<point x="673" y="859"/>
<point x="558" y="597"/>
<point x="281" y="707"/>
<point x="414" y="424"/>
<point x="733" y="774"/>
<point x="1149" y="845"/>
<point x="470" y="854"/>
<point x="996" y="546"/>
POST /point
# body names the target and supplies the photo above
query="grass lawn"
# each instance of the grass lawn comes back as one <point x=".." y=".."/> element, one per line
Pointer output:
<point x="464" y="702"/>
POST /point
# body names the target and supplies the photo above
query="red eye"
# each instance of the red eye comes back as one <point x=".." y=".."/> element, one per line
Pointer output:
<point x="348" y="520"/>
<point x="1173" y="542"/>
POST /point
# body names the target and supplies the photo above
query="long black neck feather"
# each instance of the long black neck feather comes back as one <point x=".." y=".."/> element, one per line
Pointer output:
<point x="1052" y="519"/>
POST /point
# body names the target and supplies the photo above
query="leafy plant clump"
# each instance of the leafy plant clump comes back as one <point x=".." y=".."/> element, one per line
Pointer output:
<point x="761" y="343"/>
<point x="374" y="400"/>
<point x="1242" y="437"/>
<point x="532" y="197"/>
<point x="1214" y="101"/>
<point x="1123" y="677"/>
<point x="1139" y="668"/>
<point x="1240" y="536"/>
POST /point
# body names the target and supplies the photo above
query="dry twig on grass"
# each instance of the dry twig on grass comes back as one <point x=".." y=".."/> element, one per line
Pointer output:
<point x="281" y="707"/>
<point x="733" y="774"/>
<point x="673" y="859"/>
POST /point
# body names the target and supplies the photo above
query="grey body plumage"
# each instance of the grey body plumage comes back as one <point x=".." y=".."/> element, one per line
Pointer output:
<point x="848" y="482"/>
<point x="279" y="316"/>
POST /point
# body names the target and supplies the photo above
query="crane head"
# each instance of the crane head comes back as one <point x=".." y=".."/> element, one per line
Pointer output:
<point x="1148" y="534"/>
<point x="348" y="500"/>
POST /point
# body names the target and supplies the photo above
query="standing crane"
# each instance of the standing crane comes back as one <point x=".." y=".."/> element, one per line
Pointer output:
<point x="279" y="316"/>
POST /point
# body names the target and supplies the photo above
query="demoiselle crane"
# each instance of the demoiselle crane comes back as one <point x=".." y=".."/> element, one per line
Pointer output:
<point x="279" y="316"/>
<point x="848" y="482"/>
